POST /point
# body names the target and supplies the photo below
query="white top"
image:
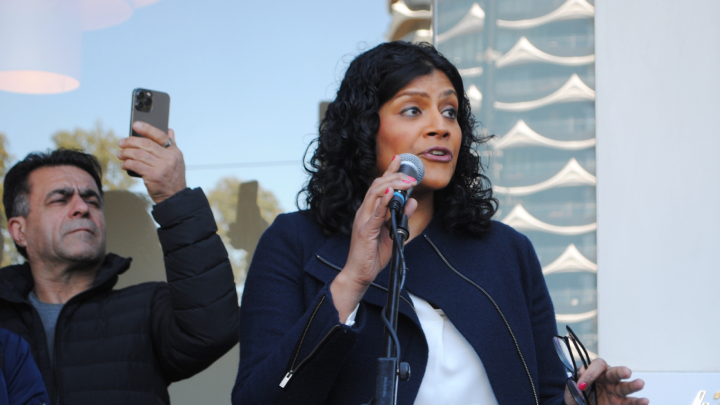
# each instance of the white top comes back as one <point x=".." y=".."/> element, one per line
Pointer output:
<point x="454" y="374"/>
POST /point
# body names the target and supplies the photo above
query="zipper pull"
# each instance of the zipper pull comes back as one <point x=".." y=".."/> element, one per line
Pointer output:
<point x="285" y="380"/>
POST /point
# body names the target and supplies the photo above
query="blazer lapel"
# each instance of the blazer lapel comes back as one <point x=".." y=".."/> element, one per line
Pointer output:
<point x="329" y="260"/>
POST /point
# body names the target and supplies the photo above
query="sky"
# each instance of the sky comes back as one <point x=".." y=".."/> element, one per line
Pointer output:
<point x="245" y="80"/>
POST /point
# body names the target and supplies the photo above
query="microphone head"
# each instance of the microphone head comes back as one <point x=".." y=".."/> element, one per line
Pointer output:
<point x="414" y="162"/>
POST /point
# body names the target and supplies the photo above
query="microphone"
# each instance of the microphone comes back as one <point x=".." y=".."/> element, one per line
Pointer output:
<point x="413" y="167"/>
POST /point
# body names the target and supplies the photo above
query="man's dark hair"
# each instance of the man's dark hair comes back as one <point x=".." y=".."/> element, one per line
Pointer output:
<point x="343" y="165"/>
<point x="17" y="188"/>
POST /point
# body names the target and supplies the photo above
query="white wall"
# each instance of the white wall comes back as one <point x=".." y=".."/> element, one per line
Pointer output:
<point x="658" y="165"/>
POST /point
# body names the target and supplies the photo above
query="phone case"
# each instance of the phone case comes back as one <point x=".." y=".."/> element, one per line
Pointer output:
<point x="152" y="107"/>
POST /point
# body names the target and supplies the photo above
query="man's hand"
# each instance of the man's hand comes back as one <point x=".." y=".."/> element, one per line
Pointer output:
<point x="156" y="158"/>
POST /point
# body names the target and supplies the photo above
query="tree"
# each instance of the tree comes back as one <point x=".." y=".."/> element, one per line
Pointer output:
<point x="8" y="253"/>
<point x="104" y="146"/>
<point x="224" y="200"/>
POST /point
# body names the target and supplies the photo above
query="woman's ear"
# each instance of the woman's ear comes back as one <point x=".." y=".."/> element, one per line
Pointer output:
<point x="16" y="228"/>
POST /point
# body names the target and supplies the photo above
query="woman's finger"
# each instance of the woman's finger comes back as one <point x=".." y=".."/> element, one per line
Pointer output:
<point x="383" y="188"/>
<point x="594" y="370"/>
<point x="617" y="374"/>
<point x="635" y="401"/>
<point x="394" y="165"/>
<point x="381" y="208"/>
<point x="624" y="389"/>
<point x="410" y="206"/>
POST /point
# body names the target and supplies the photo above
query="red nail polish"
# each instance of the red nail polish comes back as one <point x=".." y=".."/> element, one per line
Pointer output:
<point x="582" y="386"/>
<point x="407" y="181"/>
<point x="412" y="179"/>
<point x="387" y="190"/>
<point x="394" y="156"/>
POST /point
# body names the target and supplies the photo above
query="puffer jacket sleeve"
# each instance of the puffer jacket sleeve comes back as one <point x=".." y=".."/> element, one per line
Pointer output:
<point x="195" y="315"/>
<point x="290" y="352"/>
<point x="542" y="315"/>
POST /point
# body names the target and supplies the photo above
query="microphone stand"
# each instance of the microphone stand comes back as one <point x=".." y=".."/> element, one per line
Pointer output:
<point x="389" y="367"/>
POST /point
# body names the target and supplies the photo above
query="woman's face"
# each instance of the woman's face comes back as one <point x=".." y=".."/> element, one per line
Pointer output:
<point x="422" y="119"/>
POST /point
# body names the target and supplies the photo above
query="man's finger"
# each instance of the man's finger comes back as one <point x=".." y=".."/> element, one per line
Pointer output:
<point x="148" y="145"/>
<point x="136" y="166"/>
<point x="141" y="155"/>
<point x="150" y="132"/>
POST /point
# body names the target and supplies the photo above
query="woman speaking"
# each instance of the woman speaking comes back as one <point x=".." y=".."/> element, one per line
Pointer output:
<point x="476" y="321"/>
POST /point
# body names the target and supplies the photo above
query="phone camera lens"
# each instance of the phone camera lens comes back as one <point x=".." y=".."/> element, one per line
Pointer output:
<point x="143" y="100"/>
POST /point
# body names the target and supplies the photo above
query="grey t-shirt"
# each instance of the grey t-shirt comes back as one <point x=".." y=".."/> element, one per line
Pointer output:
<point x="49" y="314"/>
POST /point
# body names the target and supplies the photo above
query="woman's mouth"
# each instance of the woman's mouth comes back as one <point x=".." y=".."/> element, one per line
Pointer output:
<point x="437" y="154"/>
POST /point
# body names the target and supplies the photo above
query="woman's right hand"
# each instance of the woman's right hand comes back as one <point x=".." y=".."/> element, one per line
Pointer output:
<point x="371" y="245"/>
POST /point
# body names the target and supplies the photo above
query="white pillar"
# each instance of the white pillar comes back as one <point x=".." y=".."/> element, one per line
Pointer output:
<point x="658" y="171"/>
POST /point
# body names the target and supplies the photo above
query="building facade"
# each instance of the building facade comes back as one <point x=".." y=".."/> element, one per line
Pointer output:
<point x="529" y="71"/>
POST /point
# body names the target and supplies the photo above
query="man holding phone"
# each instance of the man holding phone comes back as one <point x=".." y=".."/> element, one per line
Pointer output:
<point x="94" y="344"/>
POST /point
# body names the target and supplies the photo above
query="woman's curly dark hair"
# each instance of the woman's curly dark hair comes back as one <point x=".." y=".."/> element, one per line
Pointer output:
<point x="343" y="165"/>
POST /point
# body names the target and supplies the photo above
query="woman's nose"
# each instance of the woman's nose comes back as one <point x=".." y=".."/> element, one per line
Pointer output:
<point x="437" y="126"/>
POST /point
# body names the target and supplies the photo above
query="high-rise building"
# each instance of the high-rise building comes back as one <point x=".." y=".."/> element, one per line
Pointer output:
<point x="529" y="71"/>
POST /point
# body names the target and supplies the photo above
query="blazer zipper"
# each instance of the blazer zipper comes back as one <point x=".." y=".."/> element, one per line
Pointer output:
<point x="497" y="308"/>
<point x="294" y="369"/>
<point x="373" y="284"/>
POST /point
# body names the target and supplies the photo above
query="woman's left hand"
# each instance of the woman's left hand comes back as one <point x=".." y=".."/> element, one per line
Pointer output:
<point x="609" y="384"/>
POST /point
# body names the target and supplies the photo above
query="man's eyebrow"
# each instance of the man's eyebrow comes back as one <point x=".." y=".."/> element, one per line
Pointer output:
<point x="88" y="192"/>
<point x="64" y="191"/>
<point x="69" y="191"/>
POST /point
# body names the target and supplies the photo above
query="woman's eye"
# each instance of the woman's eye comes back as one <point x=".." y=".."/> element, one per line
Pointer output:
<point x="412" y="111"/>
<point x="450" y="113"/>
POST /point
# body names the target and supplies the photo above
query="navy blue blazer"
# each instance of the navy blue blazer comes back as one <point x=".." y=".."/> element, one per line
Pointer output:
<point x="294" y="350"/>
<point x="20" y="380"/>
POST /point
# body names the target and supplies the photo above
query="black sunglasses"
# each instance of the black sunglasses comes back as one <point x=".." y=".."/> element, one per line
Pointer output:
<point x="563" y="347"/>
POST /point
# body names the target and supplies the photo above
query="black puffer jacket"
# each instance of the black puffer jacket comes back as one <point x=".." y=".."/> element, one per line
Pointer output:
<point x="126" y="346"/>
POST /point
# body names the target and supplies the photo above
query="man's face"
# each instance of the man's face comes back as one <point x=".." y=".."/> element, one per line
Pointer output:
<point x="66" y="223"/>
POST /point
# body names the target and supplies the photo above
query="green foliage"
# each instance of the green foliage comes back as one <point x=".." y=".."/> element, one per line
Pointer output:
<point x="104" y="146"/>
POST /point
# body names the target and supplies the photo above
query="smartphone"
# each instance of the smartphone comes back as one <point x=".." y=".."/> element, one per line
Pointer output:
<point x="152" y="107"/>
